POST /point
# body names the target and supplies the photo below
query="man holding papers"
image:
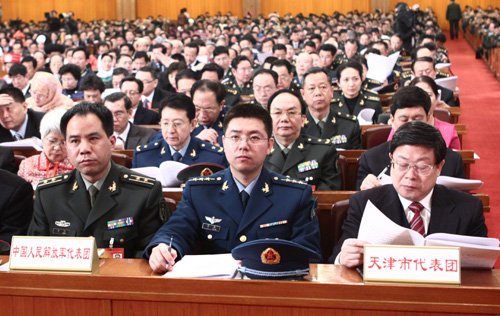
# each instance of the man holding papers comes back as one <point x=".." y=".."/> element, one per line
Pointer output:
<point x="414" y="200"/>
<point x="242" y="203"/>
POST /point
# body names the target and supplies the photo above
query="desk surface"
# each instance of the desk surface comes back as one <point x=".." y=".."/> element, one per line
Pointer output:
<point x="128" y="287"/>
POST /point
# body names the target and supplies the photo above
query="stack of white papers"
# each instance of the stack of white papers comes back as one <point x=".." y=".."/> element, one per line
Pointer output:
<point x="221" y="266"/>
<point x="449" y="82"/>
<point x="450" y="182"/>
<point x="24" y="144"/>
<point x="365" y="116"/>
<point x="475" y="252"/>
<point x="166" y="173"/>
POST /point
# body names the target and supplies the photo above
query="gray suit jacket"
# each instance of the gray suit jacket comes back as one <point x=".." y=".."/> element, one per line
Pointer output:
<point x="138" y="136"/>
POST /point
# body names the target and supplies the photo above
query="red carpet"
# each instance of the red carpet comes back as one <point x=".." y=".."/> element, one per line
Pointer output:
<point x="480" y="112"/>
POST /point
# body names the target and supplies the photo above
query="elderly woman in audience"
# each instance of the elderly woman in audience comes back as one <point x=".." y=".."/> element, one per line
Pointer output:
<point x="46" y="93"/>
<point x="54" y="159"/>
<point x="447" y="130"/>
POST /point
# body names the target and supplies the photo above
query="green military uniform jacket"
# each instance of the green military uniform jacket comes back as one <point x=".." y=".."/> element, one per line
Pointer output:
<point x="135" y="202"/>
<point x="367" y="99"/>
<point x="342" y="129"/>
<point x="245" y="92"/>
<point x="312" y="160"/>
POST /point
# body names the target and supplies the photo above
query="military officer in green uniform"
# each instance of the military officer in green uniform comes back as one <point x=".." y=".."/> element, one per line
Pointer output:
<point x="309" y="159"/>
<point x="350" y="98"/>
<point x="285" y="75"/>
<point x="331" y="58"/>
<point x="242" y="83"/>
<point x="321" y="120"/>
<point x="120" y="208"/>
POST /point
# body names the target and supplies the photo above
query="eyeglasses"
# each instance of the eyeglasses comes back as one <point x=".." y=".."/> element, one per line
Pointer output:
<point x="291" y="113"/>
<point x="119" y="114"/>
<point x="173" y="124"/>
<point x="254" y="140"/>
<point x="207" y="110"/>
<point x="147" y="82"/>
<point x="54" y="143"/>
<point x="265" y="89"/>
<point x="422" y="169"/>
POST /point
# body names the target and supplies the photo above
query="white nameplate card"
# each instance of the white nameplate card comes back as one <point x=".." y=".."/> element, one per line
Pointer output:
<point x="410" y="264"/>
<point x="61" y="254"/>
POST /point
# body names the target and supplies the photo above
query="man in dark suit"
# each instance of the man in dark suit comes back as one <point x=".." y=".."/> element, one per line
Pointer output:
<point x="321" y="121"/>
<point x="16" y="206"/>
<point x="177" y="123"/>
<point x="16" y="120"/>
<point x="133" y="88"/>
<point x="414" y="200"/>
<point x="242" y="203"/>
<point x="409" y="104"/>
<point x="120" y="208"/>
<point x="128" y="135"/>
<point x="20" y="79"/>
<point x="7" y="161"/>
<point x="309" y="159"/>
<point x="453" y="15"/>
<point x="152" y="94"/>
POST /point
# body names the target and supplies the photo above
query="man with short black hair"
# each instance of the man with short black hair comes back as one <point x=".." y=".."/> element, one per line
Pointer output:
<point x="16" y="120"/>
<point x="408" y="104"/>
<point x="133" y="88"/>
<point x="128" y="135"/>
<point x="240" y="199"/>
<point x="178" y="120"/>
<point x="265" y="82"/>
<point x="31" y="65"/>
<point x="80" y="57"/>
<point x="20" y="80"/>
<point x="242" y="83"/>
<point x="152" y="94"/>
<point x="414" y="200"/>
<point x="92" y="88"/>
<point x="321" y="121"/>
<point x="98" y="192"/>
<point x="283" y="69"/>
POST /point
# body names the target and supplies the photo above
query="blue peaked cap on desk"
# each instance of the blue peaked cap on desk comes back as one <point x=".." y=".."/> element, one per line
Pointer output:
<point x="274" y="259"/>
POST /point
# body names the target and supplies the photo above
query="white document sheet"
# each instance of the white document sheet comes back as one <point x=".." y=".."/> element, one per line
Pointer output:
<point x="221" y="266"/>
<point x="380" y="67"/>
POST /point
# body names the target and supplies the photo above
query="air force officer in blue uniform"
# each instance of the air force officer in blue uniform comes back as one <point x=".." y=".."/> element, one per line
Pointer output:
<point x="177" y="123"/>
<point x="242" y="203"/>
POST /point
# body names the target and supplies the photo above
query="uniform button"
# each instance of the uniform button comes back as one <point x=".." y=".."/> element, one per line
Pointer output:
<point x="209" y="236"/>
<point x="243" y="238"/>
<point x="122" y="240"/>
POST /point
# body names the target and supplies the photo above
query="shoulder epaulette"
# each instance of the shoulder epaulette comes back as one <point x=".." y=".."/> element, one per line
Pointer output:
<point x="232" y="91"/>
<point x="50" y="182"/>
<point x="148" y="147"/>
<point x="406" y="74"/>
<point x="346" y="116"/>
<point x="335" y="100"/>
<point x="318" y="141"/>
<point x="371" y="97"/>
<point x="229" y="82"/>
<point x="204" y="180"/>
<point x="287" y="181"/>
<point x="138" y="179"/>
<point x="212" y="148"/>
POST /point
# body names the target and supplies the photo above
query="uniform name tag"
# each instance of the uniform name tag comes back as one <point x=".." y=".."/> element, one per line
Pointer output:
<point x="308" y="166"/>
<point x="60" y="231"/>
<point x="122" y="222"/>
<point x="215" y="228"/>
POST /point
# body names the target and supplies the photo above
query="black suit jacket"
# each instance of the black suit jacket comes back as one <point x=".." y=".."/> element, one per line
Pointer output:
<point x="452" y="212"/>
<point x="32" y="128"/>
<point x="7" y="161"/>
<point x="16" y="205"/>
<point x="447" y="96"/>
<point x="144" y="116"/>
<point x="159" y="95"/>
<point x="137" y="136"/>
<point x="374" y="160"/>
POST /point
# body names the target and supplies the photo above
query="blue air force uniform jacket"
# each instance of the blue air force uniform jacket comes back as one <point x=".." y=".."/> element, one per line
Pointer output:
<point x="211" y="212"/>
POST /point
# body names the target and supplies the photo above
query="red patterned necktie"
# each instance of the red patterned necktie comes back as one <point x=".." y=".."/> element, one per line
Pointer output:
<point x="147" y="104"/>
<point x="417" y="224"/>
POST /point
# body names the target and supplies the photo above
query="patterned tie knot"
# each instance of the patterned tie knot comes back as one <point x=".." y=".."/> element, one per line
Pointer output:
<point x="417" y="224"/>
<point x="416" y="208"/>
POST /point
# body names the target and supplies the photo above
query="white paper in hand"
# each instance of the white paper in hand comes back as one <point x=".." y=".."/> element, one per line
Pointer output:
<point x="365" y="116"/>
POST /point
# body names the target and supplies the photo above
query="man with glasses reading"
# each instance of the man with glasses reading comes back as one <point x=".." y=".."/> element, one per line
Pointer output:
<point x="208" y="98"/>
<point x="414" y="200"/>
<point x="133" y="88"/>
<point x="242" y="203"/>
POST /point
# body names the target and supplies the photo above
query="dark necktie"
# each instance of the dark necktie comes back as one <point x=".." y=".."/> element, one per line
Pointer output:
<point x="320" y="126"/>
<point x="417" y="224"/>
<point x="244" y="198"/>
<point x="17" y="136"/>
<point x="177" y="156"/>
<point x="147" y="104"/>
<point x="93" y="195"/>
<point x="285" y="152"/>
